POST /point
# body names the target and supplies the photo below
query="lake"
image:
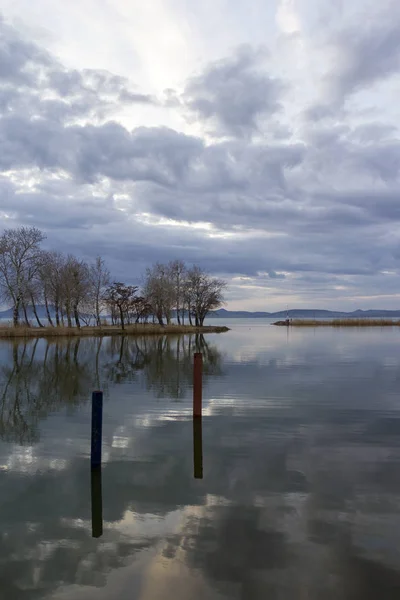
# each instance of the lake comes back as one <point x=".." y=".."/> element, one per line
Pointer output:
<point x="297" y="465"/>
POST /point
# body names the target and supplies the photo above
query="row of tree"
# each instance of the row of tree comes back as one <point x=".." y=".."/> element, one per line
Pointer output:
<point x="75" y="292"/>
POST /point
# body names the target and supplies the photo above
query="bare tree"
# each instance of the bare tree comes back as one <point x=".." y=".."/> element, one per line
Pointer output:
<point x="52" y="273"/>
<point x="141" y="309"/>
<point x="19" y="249"/>
<point x="159" y="291"/>
<point x="99" y="277"/>
<point x="121" y="297"/>
<point x="79" y="276"/>
<point x="177" y="271"/>
<point x="203" y="294"/>
<point x="44" y="280"/>
<point x="67" y="281"/>
<point x="33" y="292"/>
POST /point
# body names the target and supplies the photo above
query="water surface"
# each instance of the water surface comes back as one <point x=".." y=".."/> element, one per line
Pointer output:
<point x="300" y="488"/>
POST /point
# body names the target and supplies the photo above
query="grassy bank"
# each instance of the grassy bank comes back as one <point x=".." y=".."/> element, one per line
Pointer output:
<point x="9" y="332"/>
<point x="343" y="323"/>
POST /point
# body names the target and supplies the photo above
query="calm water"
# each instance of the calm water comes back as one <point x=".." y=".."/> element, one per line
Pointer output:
<point x="300" y="495"/>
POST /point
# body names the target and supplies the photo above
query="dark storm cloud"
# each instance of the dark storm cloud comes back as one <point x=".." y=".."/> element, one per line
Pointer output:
<point x="231" y="94"/>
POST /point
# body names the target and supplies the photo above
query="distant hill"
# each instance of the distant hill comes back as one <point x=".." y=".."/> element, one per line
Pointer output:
<point x="41" y="311"/>
<point x="243" y="314"/>
<point x="303" y="314"/>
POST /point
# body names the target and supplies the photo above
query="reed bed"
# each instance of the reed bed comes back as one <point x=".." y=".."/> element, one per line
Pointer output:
<point x="8" y="332"/>
<point x="345" y="323"/>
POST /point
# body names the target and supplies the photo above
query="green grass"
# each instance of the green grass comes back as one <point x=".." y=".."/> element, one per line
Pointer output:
<point x="346" y="323"/>
<point x="8" y="332"/>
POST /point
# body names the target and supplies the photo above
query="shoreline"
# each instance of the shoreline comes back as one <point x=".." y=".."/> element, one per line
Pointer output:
<point x="9" y="332"/>
<point x="339" y="323"/>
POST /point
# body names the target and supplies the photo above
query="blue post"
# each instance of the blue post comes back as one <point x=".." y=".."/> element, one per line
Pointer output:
<point x="97" y="426"/>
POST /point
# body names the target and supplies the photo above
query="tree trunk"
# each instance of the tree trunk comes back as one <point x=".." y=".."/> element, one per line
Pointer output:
<point x="16" y="311"/>
<point x="97" y="312"/>
<point x="160" y="319"/>
<point x="25" y="314"/>
<point x="76" y="316"/>
<point x="190" y="315"/>
<point x="121" y="313"/>
<point x="48" y="311"/>
<point x="57" y="310"/>
<point x="68" y="312"/>
<point x="35" y="311"/>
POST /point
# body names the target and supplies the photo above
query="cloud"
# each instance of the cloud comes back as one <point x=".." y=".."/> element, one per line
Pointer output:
<point x="287" y="17"/>
<point x="281" y="187"/>
<point x="365" y="55"/>
<point x="233" y="93"/>
<point x="34" y="83"/>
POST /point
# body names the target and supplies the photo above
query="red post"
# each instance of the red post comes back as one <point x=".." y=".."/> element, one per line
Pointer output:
<point x="197" y="384"/>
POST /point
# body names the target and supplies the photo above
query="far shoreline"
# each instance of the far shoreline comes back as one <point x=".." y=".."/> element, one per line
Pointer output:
<point x="9" y="332"/>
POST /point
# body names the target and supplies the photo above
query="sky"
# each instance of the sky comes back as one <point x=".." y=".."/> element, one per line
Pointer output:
<point x="259" y="140"/>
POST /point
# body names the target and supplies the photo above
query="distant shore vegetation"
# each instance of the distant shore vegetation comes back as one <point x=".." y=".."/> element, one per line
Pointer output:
<point x="340" y="323"/>
<point x="77" y="295"/>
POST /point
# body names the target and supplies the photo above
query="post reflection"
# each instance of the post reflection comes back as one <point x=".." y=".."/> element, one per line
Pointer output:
<point x="197" y="448"/>
<point x="97" y="501"/>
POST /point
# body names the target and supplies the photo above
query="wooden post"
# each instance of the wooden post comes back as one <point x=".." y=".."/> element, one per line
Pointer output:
<point x="97" y="502"/>
<point x="197" y="384"/>
<point x="197" y="448"/>
<point x="97" y="426"/>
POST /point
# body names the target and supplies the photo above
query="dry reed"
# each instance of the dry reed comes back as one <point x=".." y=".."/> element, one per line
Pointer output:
<point x="7" y="331"/>
<point x="345" y="323"/>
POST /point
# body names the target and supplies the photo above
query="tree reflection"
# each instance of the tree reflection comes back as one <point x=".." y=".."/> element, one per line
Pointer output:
<point x="42" y="376"/>
<point x="35" y="385"/>
<point x="169" y="369"/>
<point x="165" y="363"/>
<point x="18" y="414"/>
<point x="44" y="538"/>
